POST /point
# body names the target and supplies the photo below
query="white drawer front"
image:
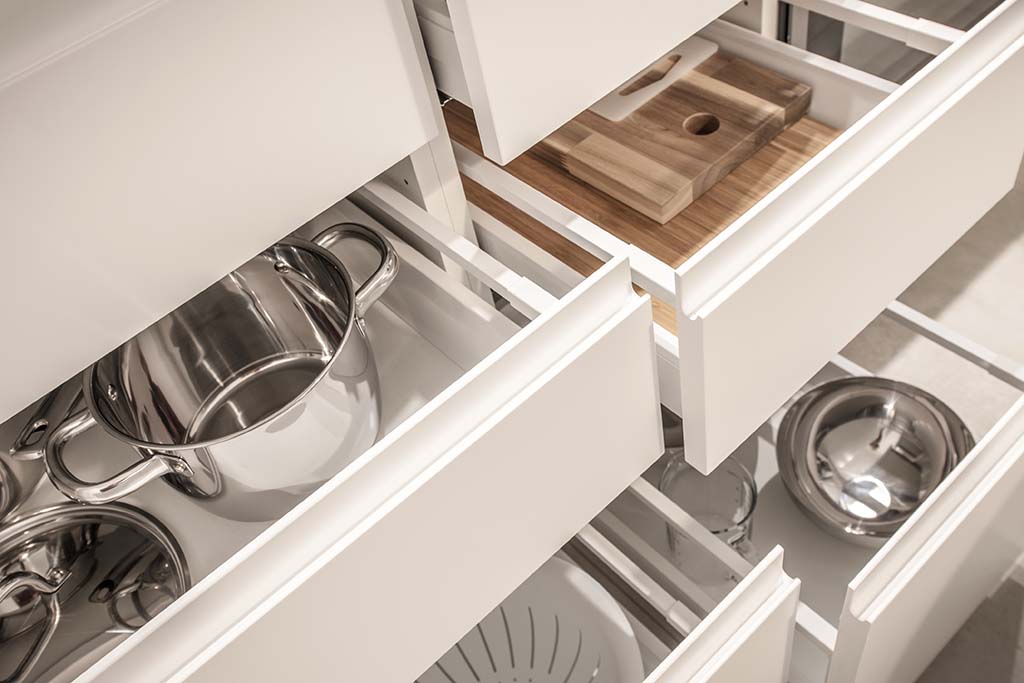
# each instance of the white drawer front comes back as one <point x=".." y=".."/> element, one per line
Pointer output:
<point x="150" y="147"/>
<point x="794" y="280"/>
<point x="487" y="482"/>
<point x="531" y="66"/>
<point x="923" y="585"/>
<point x="747" y="637"/>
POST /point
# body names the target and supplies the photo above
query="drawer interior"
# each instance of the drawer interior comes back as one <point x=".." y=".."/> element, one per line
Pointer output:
<point x="964" y="291"/>
<point x="418" y="354"/>
<point x="454" y="372"/>
<point x="956" y="332"/>
<point x="842" y="95"/>
<point x="625" y="552"/>
<point x="885" y="56"/>
<point x="953" y="334"/>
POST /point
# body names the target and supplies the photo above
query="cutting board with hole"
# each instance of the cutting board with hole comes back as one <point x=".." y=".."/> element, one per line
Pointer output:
<point x="674" y="147"/>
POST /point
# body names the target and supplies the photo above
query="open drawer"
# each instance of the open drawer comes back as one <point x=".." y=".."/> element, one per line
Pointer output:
<point x="825" y="224"/>
<point x="462" y="498"/>
<point x="642" y="619"/>
<point x="151" y="147"/>
<point x="882" y="614"/>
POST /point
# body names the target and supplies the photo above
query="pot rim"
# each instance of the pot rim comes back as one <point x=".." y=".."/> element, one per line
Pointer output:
<point x="60" y="515"/>
<point x="300" y="243"/>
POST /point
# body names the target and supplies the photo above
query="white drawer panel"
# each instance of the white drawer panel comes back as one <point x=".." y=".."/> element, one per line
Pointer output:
<point x="747" y="637"/>
<point x="495" y="467"/>
<point x="760" y="317"/>
<point x="531" y="66"/>
<point x="910" y="599"/>
<point x="151" y="147"/>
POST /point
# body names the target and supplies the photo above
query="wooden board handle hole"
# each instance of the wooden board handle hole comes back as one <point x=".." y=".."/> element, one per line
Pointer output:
<point x="701" y="124"/>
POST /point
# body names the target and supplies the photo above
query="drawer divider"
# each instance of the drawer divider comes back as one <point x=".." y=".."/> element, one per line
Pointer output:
<point x="1005" y="369"/>
<point x="386" y="202"/>
<point x="657" y="277"/>
<point x="921" y="34"/>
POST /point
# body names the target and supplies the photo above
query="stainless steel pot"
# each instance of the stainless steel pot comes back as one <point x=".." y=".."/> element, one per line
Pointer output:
<point x="859" y="455"/>
<point x="248" y="396"/>
<point x="75" y="580"/>
<point x="21" y="467"/>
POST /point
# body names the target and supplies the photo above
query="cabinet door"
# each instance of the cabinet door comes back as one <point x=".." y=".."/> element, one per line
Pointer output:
<point x="151" y="147"/>
<point x="532" y="65"/>
<point x="487" y="482"/>
<point x="918" y="591"/>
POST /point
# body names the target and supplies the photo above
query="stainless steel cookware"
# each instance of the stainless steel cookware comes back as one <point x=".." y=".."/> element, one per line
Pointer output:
<point x="860" y="454"/>
<point x="249" y="395"/>
<point x="75" y="580"/>
<point x="21" y="467"/>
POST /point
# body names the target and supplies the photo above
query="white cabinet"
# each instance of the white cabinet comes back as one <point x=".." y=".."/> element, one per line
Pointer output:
<point x="773" y="294"/>
<point x="151" y="147"/>
<point x="161" y="144"/>
<point x="528" y="67"/>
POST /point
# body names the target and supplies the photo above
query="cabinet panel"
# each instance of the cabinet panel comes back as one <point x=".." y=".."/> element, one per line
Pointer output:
<point x="918" y="591"/>
<point x="531" y="66"/>
<point x="150" y="148"/>
<point x="745" y="638"/>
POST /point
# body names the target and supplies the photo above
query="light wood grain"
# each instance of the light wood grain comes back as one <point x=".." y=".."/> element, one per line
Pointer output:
<point x="578" y="259"/>
<point x="680" y="238"/>
<point x="676" y="147"/>
<point x="672" y="243"/>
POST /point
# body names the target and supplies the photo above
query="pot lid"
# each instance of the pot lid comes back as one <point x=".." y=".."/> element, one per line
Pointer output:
<point x="860" y="454"/>
<point x="80" y="579"/>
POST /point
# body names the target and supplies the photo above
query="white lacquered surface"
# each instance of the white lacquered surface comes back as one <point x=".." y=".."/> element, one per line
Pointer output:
<point x="531" y="66"/>
<point x="150" y="148"/>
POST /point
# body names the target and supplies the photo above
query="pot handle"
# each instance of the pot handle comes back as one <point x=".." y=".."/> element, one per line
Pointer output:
<point x="129" y="480"/>
<point x="386" y="272"/>
<point x="49" y="414"/>
<point x="47" y="590"/>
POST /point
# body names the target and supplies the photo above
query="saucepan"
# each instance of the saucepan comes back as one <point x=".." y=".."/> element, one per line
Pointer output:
<point x="248" y="396"/>
<point x="21" y="467"/>
<point x="76" y="580"/>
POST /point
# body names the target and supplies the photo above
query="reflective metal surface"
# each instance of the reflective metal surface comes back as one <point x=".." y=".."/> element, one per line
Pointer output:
<point x="21" y="467"/>
<point x="76" y="580"/>
<point x="860" y="454"/>
<point x="18" y="478"/>
<point x="249" y="395"/>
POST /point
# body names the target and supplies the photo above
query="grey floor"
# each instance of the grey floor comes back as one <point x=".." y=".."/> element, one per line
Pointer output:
<point x="990" y="646"/>
<point x="975" y="289"/>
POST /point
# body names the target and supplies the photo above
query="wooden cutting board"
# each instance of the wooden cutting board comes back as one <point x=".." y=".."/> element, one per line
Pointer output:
<point x="680" y="143"/>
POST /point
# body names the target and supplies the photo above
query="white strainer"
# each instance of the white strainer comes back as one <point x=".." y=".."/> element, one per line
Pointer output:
<point x="560" y="626"/>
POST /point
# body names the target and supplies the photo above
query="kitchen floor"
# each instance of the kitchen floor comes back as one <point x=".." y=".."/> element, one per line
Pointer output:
<point x="975" y="289"/>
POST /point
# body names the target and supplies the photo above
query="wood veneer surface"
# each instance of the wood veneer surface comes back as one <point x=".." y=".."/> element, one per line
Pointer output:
<point x="678" y="145"/>
<point x="675" y="241"/>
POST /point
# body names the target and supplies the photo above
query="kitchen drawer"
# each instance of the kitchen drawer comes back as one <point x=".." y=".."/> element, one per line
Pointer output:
<point x="916" y="592"/>
<point x="881" y="614"/>
<point x="683" y="634"/>
<point x="151" y="147"/>
<point x="491" y="433"/>
<point x="528" y="67"/>
<point x="781" y="263"/>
